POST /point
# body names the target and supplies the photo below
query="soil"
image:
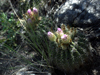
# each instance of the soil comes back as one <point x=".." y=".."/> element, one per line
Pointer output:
<point x="10" y="63"/>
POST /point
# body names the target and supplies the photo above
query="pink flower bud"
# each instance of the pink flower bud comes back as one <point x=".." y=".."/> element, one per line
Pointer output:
<point x="51" y="36"/>
<point x="29" y="11"/>
<point x="35" y="11"/>
<point x="64" y="38"/>
<point x="59" y="32"/>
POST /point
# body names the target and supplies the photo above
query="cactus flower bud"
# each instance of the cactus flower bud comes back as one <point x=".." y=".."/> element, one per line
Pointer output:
<point x="64" y="38"/>
<point x="59" y="32"/>
<point x="29" y="11"/>
<point x="35" y="11"/>
<point x="51" y="36"/>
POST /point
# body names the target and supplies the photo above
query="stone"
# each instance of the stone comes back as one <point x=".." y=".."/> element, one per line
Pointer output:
<point x="50" y="7"/>
<point x="78" y="12"/>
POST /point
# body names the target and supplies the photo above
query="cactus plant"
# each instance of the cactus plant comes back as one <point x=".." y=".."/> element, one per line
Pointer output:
<point x="70" y="50"/>
<point x="65" y="49"/>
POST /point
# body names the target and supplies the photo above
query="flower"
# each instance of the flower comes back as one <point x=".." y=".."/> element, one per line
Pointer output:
<point x="59" y="32"/>
<point x="64" y="38"/>
<point x="35" y="11"/>
<point x="29" y="11"/>
<point x="51" y="36"/>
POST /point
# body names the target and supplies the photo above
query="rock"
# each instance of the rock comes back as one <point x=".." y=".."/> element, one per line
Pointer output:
<point x="78" y="12"/>
<point x="50" y="7"/>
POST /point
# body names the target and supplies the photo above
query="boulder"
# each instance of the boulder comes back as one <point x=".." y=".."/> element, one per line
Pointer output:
<point x="78" y="12"/>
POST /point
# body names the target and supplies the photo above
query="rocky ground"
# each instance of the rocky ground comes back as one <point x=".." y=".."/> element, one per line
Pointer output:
<point x="86" y="18"/>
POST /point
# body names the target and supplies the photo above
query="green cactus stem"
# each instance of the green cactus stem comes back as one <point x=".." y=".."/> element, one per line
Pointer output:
<point x="70" y="52"/>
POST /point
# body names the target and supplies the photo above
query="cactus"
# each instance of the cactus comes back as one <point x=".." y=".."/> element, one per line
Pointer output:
<point x="66" y="49"/>
<point x="70" y="50"/>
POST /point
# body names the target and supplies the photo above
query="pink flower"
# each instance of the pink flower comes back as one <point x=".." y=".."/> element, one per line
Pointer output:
<point x="35" y="11"/>
<point x="64" y="38"/>
<point x="29" y="11"/>
<point x="51" y="36"/>
<point x="59" y="32"/>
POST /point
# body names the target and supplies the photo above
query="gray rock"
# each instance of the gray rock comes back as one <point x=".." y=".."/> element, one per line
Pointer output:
<point x="78" y="12"/>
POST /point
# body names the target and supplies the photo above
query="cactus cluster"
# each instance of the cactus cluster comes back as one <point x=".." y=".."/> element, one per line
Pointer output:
<point x="70" y="48"/>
